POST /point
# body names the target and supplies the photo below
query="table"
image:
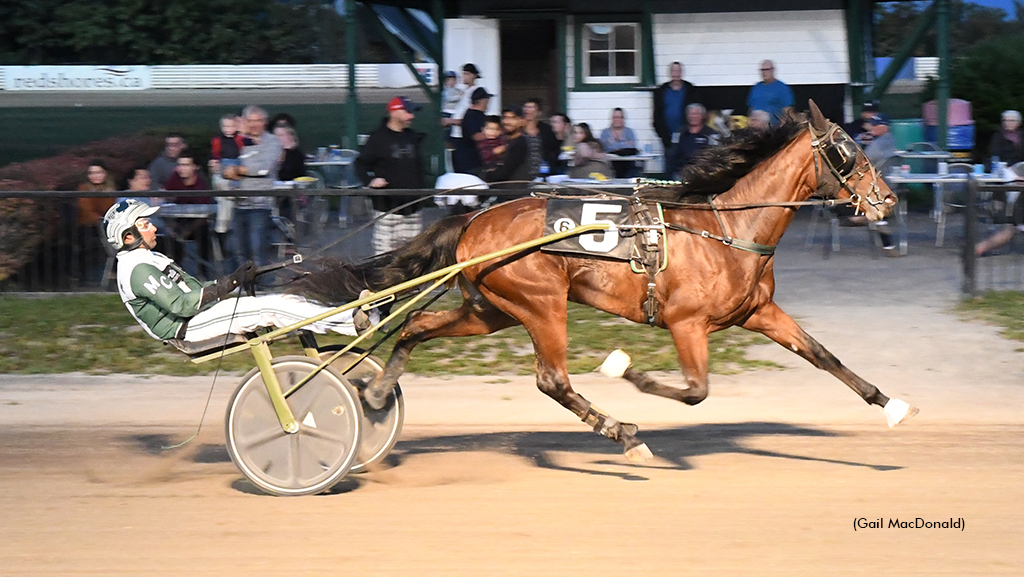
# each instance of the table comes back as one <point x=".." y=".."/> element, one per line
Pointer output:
<point x="937" y="179"/>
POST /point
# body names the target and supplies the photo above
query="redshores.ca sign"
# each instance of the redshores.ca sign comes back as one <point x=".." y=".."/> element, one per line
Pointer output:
<point x="53" y="78"/>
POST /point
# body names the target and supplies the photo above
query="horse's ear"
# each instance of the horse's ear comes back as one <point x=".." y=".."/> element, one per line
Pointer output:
<point x="818" y="120"/>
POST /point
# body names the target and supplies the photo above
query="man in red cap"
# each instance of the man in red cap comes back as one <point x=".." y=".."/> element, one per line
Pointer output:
<point x="391" y="158"/>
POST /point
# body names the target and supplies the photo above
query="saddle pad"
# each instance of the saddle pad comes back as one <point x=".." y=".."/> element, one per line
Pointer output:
<point x="567" y="214"/>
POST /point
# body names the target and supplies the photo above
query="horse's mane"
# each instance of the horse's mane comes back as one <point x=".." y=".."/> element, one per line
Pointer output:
<point x="716" y="169"/>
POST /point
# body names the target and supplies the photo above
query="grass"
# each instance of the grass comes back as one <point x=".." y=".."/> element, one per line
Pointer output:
<point x="95" y="334"/>
<point x="1004" y="308"/>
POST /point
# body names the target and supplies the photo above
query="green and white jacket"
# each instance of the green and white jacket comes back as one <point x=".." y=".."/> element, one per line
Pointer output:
<point x="158" y="293"/>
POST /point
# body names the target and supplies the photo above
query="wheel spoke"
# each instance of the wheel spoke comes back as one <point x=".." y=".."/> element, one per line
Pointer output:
<point x="261" y="438"/>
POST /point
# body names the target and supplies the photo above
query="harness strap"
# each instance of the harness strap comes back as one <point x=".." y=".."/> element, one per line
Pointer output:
<point x="651" y="254"/>
<point x="741" y="244"/>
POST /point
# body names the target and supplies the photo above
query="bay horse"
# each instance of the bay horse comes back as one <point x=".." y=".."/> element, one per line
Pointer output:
<point x="734" y="198"/>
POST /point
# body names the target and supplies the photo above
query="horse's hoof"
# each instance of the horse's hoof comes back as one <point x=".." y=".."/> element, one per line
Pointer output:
<point x="897" y="411"/>
<point x="375" y="399"/>
<point x="616" y="364"/>
<point x="639" y="454"/>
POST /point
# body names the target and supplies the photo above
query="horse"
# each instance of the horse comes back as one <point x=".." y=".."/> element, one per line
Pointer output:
<point x="722" y="223"/>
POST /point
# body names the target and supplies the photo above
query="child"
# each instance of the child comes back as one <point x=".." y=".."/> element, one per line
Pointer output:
<point x="450" y="97"/>
<point x="226" y="148"/>
<point x="492" y="146"/>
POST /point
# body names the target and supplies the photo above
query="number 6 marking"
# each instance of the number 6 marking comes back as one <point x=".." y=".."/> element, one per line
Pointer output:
<point x="608" y="238"/>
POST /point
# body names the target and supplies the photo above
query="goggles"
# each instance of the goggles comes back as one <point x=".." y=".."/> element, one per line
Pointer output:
<point x="144" y="224"/>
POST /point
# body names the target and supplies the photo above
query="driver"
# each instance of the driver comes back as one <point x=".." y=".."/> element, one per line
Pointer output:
<point x="171" y="304"/>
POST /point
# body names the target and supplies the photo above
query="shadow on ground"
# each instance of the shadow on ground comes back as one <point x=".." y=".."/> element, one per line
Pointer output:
<point x="674" y="448"/>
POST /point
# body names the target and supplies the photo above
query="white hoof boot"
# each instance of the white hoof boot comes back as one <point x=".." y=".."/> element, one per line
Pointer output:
<point x="639" y="454"/>
<point x="896" y="411"/>
<point x="616" y="364"/>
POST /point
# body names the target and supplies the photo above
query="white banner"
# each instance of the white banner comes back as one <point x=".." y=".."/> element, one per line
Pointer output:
<point x="52" y="78"/>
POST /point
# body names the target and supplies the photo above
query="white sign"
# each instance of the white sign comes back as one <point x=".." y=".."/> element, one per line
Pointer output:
<point x="77" y="78"/>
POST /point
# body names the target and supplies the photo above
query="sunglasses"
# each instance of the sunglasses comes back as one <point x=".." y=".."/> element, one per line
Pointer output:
<point x="144" y="224"/>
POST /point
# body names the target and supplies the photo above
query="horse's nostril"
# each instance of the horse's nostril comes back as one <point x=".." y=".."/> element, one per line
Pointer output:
<point x="890" y="200"/>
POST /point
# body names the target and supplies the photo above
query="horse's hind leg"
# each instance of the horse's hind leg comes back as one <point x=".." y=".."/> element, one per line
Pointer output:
<point x="775" y="324"/>
<point x="547" y="328"/>
<point x="469" y="319"/>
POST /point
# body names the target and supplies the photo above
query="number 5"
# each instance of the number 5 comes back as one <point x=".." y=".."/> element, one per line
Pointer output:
<point x="608" y="238"/>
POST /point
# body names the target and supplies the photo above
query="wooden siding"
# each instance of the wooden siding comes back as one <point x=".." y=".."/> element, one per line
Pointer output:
<point x="725" y="49"/>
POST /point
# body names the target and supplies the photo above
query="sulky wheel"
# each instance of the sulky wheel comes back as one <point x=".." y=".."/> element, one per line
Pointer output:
<point x="380" y="428"/>
<point x="323" y="450"/>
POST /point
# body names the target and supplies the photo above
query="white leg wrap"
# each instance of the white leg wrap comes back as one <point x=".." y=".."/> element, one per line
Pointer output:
<point x="896" y="411"/>
<point x="616" y="364"/>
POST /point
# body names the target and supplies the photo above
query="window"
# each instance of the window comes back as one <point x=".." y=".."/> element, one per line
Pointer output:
<point x="610" y="53"/>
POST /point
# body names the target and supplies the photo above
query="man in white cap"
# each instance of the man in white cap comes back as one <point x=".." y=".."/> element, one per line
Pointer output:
<point x="171" y="304"/>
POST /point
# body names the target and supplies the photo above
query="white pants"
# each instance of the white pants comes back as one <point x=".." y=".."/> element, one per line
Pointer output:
<point x="245" y="314"/>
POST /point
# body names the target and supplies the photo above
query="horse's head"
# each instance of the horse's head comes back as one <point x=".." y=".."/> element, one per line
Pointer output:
<point x="843" y="170"/>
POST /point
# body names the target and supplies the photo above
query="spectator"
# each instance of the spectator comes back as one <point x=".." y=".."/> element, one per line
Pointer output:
<point x="138" y="180"/>
<point x="619" y="139"/>
<point x="90" y="214"/>
<point x="190" y="233"/>
<point x="589" y="158"/>
<point x="670" y="102"/>
<point x="251" y="224"/>
<point x="293" y="161"/>
<point x="164" y="165"/>
<point x="759" y="120"/>
<point x="186" y="176"/>
<point x="465" y="158"/>
<point x="451" y="95"/>
<point x="881" y="152"/>
<point x="515" y="165"/>
<point x="225" y="149"/>
<point x="492" y="145"/>
<point x="98" y="179"/>
<point x="282" y="119"/>
<point x="1008" y="142"/>
<point x="391" y="158"/>
<point x="858" y="129"/>
<point x="470" y="74"/>
<point x="562" y="127"/>
<point x="696" y="136"/>
<point x="771" y="95"/>
<point x="541" y="144"/>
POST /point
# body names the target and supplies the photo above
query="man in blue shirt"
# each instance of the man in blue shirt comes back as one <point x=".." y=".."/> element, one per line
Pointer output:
<point x="670" y="102"/>
<point x="771" y="95"/>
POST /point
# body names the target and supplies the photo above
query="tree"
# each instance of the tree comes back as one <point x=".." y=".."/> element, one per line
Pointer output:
<point x="969" y="24"/>
<point x="991" y="76"/>
<point x="170" y="32"/>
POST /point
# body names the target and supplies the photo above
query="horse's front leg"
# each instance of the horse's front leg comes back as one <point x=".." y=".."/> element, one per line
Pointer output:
<point x="467" y="320"/>
<point x="691" y="341"/>
<point x="775" y="324"/>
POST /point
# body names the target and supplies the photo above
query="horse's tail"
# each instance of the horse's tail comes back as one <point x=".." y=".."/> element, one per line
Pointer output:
<point x="336" y="282"/>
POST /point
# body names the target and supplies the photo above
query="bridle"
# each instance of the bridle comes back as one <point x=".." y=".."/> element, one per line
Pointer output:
<point x="837" y="152"/>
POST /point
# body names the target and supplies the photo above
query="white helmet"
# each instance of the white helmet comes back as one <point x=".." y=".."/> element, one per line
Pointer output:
<point x="121" y="218"/>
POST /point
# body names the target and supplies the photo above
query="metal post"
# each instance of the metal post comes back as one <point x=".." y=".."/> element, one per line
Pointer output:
<point x="969" y="284"/>
<point x="352" y="102"/>
<point x="942" y="90"/>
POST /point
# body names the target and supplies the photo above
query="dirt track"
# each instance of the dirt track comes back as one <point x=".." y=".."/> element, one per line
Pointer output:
<point x="491" y="478"/>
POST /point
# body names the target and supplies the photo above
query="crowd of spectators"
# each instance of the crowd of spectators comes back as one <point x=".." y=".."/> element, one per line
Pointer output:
<point x="252" y="153"/>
